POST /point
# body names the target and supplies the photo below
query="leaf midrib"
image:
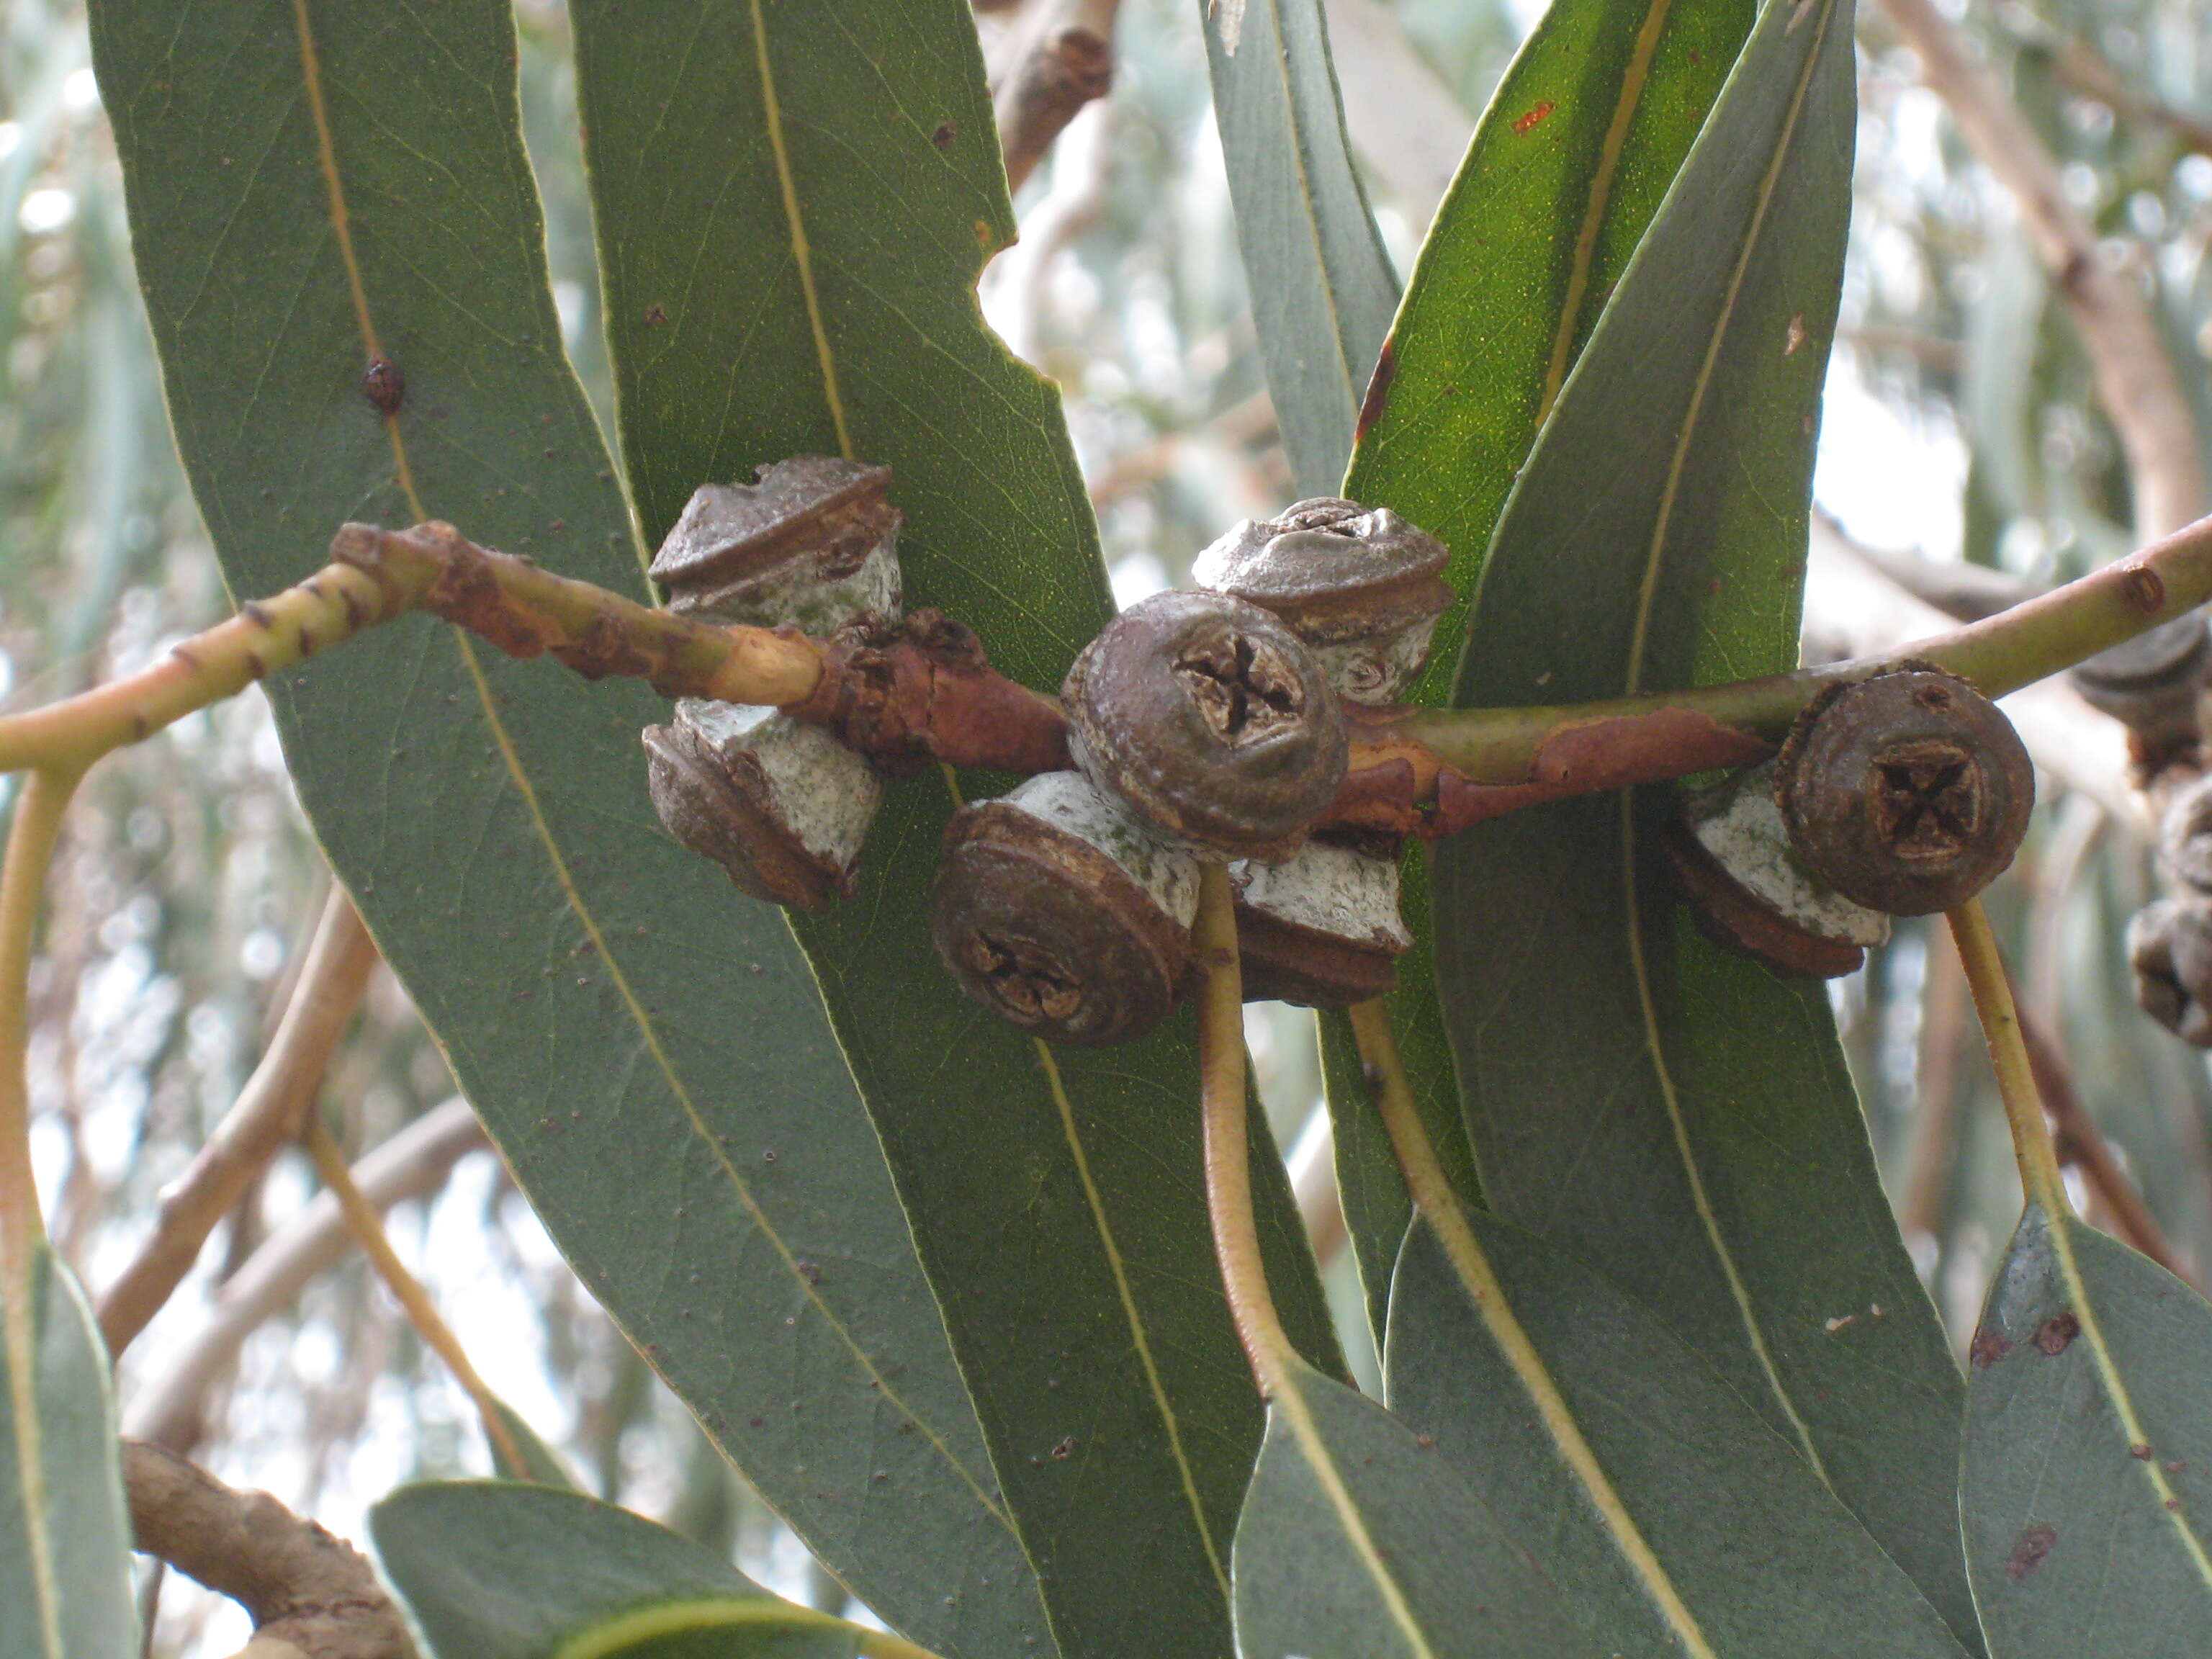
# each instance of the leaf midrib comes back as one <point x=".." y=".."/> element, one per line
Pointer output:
<point x="335" y="204"/>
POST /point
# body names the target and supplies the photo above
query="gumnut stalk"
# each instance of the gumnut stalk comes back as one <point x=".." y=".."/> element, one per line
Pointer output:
<point x="1211" y="718"/>
<point x="782" y="805"/>
<point x="1906" y="793"/>
<point x="1061" y="910"/>
<point x="1360" y="585"/>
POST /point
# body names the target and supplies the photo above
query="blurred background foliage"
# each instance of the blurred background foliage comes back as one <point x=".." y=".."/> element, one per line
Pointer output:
<point x="1960" y="424"/>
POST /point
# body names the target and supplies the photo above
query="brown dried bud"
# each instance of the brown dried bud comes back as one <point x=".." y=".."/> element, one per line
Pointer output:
<point x="1211" y="718"/>
<point x="782" y="807"/>
<point x="1061" y="911"/>
<point x="1907" y="792"/>
<point x="814" y="543"/>
<point x="2150" y="683"/>
<point x="2170" y="947"/>
<point x="1361" y="585"/>
<point x="1322" y="929"/>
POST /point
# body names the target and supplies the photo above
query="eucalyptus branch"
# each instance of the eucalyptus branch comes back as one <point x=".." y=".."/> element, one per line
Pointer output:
<point x="1063" y="59"/>
<point x="311" y="1595"/>
<point x="367" y="1227"/>
<point x="911" y="692"/>
<point x="265" y="1118"/>
<point x="38" y="807"/>
<point x="412" y="1164"/>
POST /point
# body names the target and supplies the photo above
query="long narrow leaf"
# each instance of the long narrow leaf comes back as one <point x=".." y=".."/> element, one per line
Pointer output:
<point x="310" y="183"/>
<point x="1581" y="140"/>
<point x="1676" y="1115"/>
<point x="64" y="1538"/>
<point x="1357" y="1539"/>
<point x="794" y="198"/>
<point x="1322" y="289"/>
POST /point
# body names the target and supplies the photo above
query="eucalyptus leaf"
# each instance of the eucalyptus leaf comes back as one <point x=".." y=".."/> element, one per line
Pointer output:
<point x="2087" y="1474"/>
<point x="484" y="1569"/>
<point x="1703" y="1532"/>
<point x="64" y="1536"/>
<point x="1673" y="1114"/>
<point x="1581" y="139"/>
<point x="648" y="1047"/>
<point x="1322" y="289"/>
<point x="1358" y="1538"/>
<point x="533" y="1460"/>
<point x="771" y="293"/>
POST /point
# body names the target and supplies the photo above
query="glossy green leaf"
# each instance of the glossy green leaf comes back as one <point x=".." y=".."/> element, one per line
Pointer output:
<point x="65" y="1588"/>
<point x="1360" y="1539"/>
<point x="1702" y="1533"/>
<point x="794" y="200"/>
<point x="1582" y="137"/>
<point x="2087" y="1483"/>
<point x="1673" y="1114"/>
<point x="645" y="1045"/>
<point x="1322" y="286"/>
<point x="487" y="1570"/>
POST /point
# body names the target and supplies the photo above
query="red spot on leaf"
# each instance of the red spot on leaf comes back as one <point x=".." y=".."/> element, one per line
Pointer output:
<point x="1529" y="123"/>
<point x="2057" y="1334"/>
<point x="2027" y="1554"/>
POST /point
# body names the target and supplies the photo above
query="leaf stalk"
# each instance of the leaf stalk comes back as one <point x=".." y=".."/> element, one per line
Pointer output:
<point x="2023" y="1107"/>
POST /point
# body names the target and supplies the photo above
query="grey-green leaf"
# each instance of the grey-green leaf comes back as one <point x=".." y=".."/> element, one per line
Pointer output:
<point x="1676" y="1115"/>
<point x="1585" y="132"/>
<point x="1757" y="1555"/>
<point x="533" y="1460"/>
<point x="793" y="202"/>
<point x="2087" y="1482"/>
<point x="490" y="1571"/>
<point x="1322" y="289"/>
<point x="64" y="1537"/>
<point x="647" y="1046"/>
<point x="1359" y="1539"/>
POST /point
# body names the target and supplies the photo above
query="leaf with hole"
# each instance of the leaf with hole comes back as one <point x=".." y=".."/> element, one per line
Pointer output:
<point x="648" y="1047"/>
<point x="767" y="296"/>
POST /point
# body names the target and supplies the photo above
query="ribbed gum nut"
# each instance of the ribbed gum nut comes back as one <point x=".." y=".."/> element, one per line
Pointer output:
<point x="783" y="807"/>
<point x="1061" y="910"/>
<point x="814" y="543"/>
<point x="1321" y="929"/>
<point x="2150" y="683"/>
<point x="1907" y="792"/>
<point x="2170" y="948"/>
<point x="1213" y="720"/>
<point x="1360" y="584"/>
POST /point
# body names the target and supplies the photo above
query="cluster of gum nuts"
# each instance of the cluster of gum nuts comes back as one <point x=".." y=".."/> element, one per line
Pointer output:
<point x="1209" y="727"/>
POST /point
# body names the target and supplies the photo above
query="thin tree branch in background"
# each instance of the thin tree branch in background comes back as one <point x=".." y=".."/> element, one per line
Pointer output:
<point x="309" y="1594"/>
<point x="2081" y="68"/>
<point x="2080" y="1146"/>
<point x="2135" y="381"/>
<point x="266" y="1117"/>
<point x="1070" y="207"/>
<point x="1063" y="59"/>
<point x="1930" y="1160"/>
<point x="367" y="1229"/>
<point x="412" y="1164"/>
